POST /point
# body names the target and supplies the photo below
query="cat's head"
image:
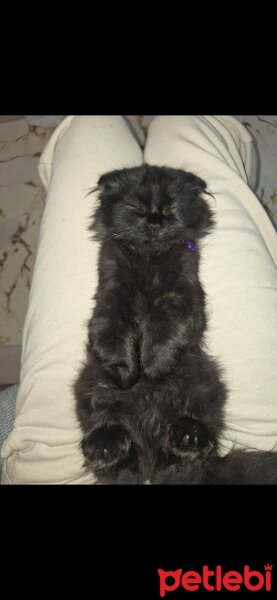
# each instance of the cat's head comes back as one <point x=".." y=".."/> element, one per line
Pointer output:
<point x="148" y="448"/>
<point x="151" y="208"/>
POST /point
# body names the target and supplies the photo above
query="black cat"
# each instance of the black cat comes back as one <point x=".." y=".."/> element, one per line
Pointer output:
<point x="149" y="303"/>
<point x="149" y="398"/>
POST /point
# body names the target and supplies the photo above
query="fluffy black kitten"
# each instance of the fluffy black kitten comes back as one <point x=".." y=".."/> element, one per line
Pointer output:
<point x="149" y="303"/>
<point x="149" y="399"/>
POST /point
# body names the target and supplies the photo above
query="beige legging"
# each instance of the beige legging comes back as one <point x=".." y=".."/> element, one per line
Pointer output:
<point x="237" y="271"/>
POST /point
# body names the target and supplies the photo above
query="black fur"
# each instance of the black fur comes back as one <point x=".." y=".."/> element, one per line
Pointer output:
<point x="149" y="303"/>
<point x="150" y="400"/>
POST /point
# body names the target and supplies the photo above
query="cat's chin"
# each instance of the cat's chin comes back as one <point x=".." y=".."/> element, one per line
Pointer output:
<point x="154" y="247"/>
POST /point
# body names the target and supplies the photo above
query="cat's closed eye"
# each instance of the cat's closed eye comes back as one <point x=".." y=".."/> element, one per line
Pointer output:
<point x="167" y="210"/>
<point x="138" y="208"/>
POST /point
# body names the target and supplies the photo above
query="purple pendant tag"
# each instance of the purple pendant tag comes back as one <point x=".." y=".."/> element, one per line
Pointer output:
<point x="191" y="245"/>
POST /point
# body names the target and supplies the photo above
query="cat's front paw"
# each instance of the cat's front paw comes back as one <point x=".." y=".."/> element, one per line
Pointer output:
<point x="149" y="362"/>
<point x="158" y="351"/>
<point x="156" y="361"/>
<point x="188" y="434"/>
<point x="106" y="446"/>
<point x="123" y="375"/>
<point x="115" y="345"/>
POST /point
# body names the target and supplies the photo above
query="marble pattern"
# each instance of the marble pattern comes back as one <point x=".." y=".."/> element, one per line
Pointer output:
<point x="21" y="207"/>
<point x="22" y="202"/>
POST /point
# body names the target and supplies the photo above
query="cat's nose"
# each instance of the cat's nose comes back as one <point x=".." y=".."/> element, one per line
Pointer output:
<point x="154" y="231"/>
<point x="154" y="221"/>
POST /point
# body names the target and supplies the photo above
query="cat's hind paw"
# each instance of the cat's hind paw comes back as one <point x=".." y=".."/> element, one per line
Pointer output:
<point x="188" y="434"/>
<point x="106" y="446"/>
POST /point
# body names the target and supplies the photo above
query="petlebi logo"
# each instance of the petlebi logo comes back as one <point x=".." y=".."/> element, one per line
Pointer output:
<point x="216" y="579"/>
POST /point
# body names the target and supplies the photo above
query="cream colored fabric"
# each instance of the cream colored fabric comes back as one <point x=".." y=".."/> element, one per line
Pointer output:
<point x="238" y="271"/>
<point x="43" y="446"/>
<point x="238" y="268"/>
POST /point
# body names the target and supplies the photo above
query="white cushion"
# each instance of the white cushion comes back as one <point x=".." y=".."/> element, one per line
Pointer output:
<point x="238" y="268"/>
<point x="44" y="444"/>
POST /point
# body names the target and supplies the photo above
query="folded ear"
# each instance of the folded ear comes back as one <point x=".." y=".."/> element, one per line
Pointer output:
<point x="200" y="216"/>
<point x="113" y="181"/>
<point x="192" y="182"/>
<point x="110" y="188"/>
<point x="107" y="183"/>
